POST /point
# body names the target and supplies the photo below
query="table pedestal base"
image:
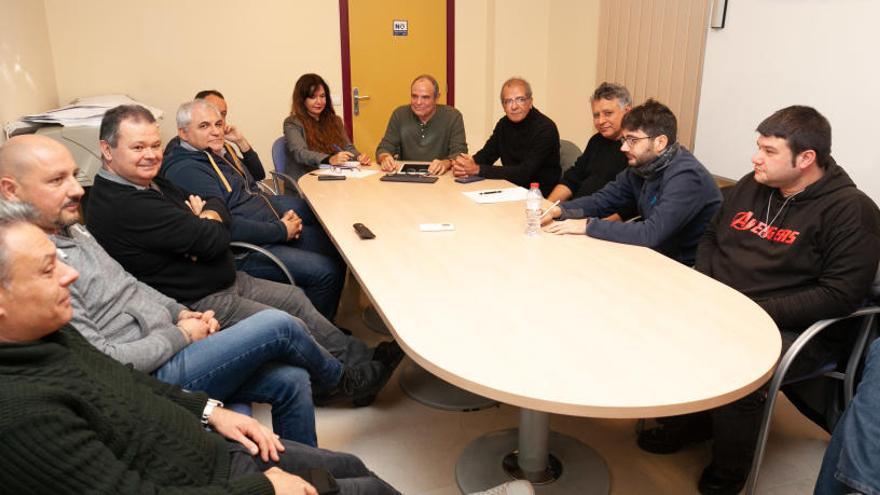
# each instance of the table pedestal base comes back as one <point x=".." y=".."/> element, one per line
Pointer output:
<point x="427" y="389"/>
<point x="554" y="463"/>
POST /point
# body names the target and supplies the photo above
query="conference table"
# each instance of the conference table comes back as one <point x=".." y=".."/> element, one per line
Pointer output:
<point x="551" y="324"/>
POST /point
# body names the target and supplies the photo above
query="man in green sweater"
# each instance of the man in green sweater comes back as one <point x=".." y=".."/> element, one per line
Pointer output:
<point x="73" y="420"/>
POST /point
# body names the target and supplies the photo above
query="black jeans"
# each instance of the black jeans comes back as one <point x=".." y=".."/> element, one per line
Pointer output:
<point x="735" y="426"/>
<point x="353" y="477"/>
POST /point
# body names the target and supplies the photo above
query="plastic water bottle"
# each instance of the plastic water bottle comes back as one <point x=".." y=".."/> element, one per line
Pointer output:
<point x="533" y="210"/>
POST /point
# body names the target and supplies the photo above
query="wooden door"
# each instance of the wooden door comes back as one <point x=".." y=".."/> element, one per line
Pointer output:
<point x="389" y="43"/>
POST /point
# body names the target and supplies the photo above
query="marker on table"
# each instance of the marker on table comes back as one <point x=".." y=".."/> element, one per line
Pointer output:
<point x="490" y="192"/>
<point x="548" y="209"/>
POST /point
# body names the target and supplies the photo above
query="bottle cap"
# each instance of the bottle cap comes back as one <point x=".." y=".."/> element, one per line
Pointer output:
<point x="534" y="185"/>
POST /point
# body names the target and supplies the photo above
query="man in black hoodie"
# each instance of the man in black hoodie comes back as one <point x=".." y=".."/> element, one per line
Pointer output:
<point x="798" y="238"/>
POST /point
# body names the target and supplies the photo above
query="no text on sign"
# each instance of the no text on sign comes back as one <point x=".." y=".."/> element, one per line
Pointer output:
<point x="400" y="27"/>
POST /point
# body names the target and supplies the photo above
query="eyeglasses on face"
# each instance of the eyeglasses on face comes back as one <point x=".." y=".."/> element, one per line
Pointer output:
<point x="520" y="100"/>
<point x="631" y="140"/>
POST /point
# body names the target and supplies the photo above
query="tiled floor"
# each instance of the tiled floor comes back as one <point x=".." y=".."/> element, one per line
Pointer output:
<point x="415" y="447"/>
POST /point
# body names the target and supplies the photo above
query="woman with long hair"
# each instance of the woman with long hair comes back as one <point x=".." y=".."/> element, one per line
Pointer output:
<point x="314" y="133"/>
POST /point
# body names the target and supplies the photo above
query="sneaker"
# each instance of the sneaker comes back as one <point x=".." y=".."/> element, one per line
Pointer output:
<point x="518" y="487"/>
<point x="389" y="353"/>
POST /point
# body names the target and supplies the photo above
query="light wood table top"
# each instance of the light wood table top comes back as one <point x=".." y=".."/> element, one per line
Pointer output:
<point x="561" y="324"/>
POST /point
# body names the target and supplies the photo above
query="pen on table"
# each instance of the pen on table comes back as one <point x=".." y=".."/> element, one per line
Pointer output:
<point x="548" y="210"/>
<point x="490" y="192"/>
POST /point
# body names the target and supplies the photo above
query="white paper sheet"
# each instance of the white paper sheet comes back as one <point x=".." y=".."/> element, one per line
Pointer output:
<point x="489" y="196"/>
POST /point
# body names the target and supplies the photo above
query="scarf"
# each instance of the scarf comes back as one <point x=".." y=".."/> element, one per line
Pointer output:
<point x="650" y="170"/>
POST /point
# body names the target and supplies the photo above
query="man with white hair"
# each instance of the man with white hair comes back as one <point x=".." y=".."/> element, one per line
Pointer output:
<point x="201" y="161"/>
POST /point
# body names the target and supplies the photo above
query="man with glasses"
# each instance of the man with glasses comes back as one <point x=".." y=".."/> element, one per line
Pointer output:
<point x="672" y="191"/>
<point x="423" y="130"/>
<point x="526" y="141"/>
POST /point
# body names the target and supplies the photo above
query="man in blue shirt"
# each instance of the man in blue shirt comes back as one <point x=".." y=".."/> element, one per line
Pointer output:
<point x="673" y="192"/>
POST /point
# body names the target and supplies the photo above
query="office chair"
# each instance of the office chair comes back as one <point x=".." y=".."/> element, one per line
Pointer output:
<point x="284" y="183"/>
<point x="568" y="154"/>
<point x="779" y="379"/>
<point x="239" y="249"/>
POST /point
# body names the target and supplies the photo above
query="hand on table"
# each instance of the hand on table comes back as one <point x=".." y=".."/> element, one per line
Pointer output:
<point x="340" y="158"/>
<point x="439" y="167"/>
<point x="578" y="227"/>
<point x="549" y="217"/>
<point x="364" y="159"/>
<point x="387" y="163"/>
<point x="464" y="166"/>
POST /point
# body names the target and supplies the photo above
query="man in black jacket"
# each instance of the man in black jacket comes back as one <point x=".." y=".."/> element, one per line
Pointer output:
<point x="526" y="141"/>
<point x="74" y="420"/>
<point x="179" y="243"/>
<point x="798" y="238"/>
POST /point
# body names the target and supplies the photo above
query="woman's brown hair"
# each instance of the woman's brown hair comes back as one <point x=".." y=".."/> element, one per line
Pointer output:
<point x="326" y="134"/>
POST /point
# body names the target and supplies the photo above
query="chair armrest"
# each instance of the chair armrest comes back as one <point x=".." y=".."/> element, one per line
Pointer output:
<point x="265" y="252"/>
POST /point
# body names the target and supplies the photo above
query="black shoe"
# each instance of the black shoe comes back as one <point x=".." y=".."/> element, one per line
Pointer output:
<point x="389" y="353"/>
<point x="711" y="483"/>
<point x="363" y="381"/>
<point x="668" y="439"/>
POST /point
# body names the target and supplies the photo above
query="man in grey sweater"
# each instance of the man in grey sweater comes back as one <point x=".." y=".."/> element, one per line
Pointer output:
<point x="423" y="130"/>
<point x="268" y="357"/>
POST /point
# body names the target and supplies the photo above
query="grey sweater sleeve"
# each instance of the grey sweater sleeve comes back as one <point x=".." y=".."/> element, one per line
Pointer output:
<point x="146" y="352"/>
<point x="174" y="308"/>
<point x="295" y="139"/>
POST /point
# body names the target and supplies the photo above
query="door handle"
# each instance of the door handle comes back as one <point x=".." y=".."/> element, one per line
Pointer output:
<point x="356" y="94"/>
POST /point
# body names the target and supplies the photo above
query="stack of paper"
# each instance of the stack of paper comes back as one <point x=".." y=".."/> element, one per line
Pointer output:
<point x="80" y="112"/>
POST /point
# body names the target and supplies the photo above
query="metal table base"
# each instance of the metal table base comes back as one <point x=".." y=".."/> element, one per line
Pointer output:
<point x="554" y="463"/>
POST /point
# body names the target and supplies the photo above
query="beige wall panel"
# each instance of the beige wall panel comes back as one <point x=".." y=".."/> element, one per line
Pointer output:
<point x="161" y="52"/>
<point x="553" y="44"/>
<point x="27" y="77"/>
<point x="572" y="67"/>
<point x="655" y="48"/>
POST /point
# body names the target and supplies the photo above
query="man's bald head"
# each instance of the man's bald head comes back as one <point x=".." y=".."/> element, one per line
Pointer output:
<point x="41" y="171"/>
<point x="22" y="153"/>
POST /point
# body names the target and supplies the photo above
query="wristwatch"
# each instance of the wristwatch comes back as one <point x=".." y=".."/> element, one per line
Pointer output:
<point x="209" y="409"/>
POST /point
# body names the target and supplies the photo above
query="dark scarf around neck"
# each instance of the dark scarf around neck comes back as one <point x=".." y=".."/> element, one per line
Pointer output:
<point x="650" y="170"/>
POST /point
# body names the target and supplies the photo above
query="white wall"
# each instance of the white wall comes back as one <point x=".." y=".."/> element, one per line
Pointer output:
<point x="27" y="76"/>
<point x="775" y="53"/>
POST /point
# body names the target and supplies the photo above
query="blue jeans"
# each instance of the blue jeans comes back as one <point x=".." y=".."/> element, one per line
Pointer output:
<point x="312" y="259"/>
<point x="852" y="460"/>
<point x="268" y="357"/>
